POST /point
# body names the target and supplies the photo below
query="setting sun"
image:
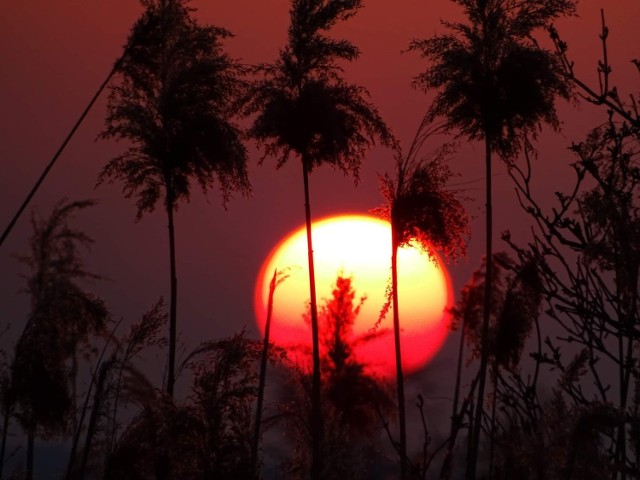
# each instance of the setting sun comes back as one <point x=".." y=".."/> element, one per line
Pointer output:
<point x="358" y="246"/>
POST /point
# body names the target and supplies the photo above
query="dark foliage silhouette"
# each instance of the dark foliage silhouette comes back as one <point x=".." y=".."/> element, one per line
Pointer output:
<point x="207" y="435"/>
<point x="354" y="392"/>
<point x="606" y="94"/>
<point x="143" y="335"/>
<point x="115" y="383"/>
<point x="174" y="100"/>
<point x="62" y="320"/>
<point x="587" y="254"/>
<point x="515" y="308"/>
<point x="353" y="397"/>
<point x="495" y="84"/>
<point x="515" y="304"/>
<point x="565" y="443"/>
<point x="305" y="108"/>
<point x="585" y="248"/>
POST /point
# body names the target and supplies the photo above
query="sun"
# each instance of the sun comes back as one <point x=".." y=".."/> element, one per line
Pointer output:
<point x="358" y="246"/>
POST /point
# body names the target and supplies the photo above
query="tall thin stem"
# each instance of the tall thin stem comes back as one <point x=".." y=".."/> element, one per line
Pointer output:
<point x="173" y="309"/>
<point x="85" y="406"/>
<point x="399" y="373"/>
<point x="493" y="417"/>
<point x="472" y="457"/>
<point x="5" y="433"/>
<point x="445" y="472"/>
<point x="316" y="406"/>
<point x="55" y="157"/>
<point x="30" y="452"/>
<point x="263" y="376"/>
<point x="93" y="418"/>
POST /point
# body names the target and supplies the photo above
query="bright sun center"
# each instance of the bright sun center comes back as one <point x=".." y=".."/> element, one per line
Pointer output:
<point x="360" y="247"/>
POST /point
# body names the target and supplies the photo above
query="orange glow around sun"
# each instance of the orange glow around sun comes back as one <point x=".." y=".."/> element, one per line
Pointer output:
<point x="358" y="246"/>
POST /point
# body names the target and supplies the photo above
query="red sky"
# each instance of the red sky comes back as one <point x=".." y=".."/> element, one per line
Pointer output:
<point x="55" y="54"/>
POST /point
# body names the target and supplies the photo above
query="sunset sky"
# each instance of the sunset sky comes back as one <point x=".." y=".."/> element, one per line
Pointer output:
<point x="55" y="54"/>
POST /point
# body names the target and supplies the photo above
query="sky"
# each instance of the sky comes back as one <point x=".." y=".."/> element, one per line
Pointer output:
<point x="53" y="57"/>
